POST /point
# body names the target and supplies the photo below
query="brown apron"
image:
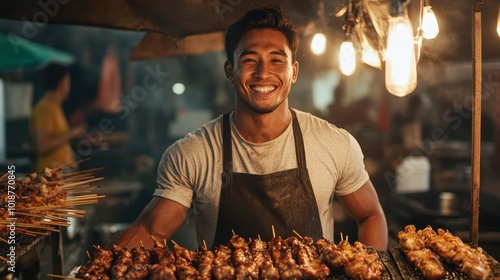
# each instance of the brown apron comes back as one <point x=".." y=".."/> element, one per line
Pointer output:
<point x="251" y="204"/>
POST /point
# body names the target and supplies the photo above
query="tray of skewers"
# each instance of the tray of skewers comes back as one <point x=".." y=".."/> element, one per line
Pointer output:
<point x="43" y="202"/>
<point x="294" y="258"/>
<point x="280" y="258"/>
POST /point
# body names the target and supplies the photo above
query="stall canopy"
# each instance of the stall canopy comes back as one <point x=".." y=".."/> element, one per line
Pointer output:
<point x="181" y="19"/>
<point x="17" y="54"/>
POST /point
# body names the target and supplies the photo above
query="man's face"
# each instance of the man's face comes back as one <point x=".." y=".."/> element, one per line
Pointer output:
<point x="263" y="71"/>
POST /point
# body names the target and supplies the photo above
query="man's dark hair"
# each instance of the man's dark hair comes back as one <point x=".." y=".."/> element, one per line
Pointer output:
<point x="54" y="73"/>
<point x="268" y="17"/>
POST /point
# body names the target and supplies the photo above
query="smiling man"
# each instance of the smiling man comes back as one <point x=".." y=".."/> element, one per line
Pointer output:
<point x="264" y="164"/>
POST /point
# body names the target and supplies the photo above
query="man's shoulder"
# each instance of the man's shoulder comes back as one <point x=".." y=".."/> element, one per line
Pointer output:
<point x="314" y="123"/>
<point x="207" y="133"/>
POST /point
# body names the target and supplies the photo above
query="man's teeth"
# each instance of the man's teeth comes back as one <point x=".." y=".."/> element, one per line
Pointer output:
<point x="264" y="89"/>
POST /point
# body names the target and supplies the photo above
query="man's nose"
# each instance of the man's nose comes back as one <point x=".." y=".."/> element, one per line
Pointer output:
<point x="262" y="70"/>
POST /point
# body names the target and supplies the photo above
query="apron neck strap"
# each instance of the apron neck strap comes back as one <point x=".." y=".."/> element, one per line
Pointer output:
<point x="299" y="141"/>
<point x="227" y="147"/>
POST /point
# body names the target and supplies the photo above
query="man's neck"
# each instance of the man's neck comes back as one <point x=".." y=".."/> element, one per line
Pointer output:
<point x="260" y="128"/>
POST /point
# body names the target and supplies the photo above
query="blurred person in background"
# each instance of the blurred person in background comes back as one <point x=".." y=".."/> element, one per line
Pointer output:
<point x="48" y="125"/>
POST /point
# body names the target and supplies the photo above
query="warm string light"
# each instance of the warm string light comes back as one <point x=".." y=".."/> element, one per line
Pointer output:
<point x="347" y="58"/>
<point x="347" y="54"/>
<point x="498" y="22"/>
<point x="400" y="65"/>
<point x="430" y="25"/>
<point x="369" y="55"/>
<point x="318" y="44"/>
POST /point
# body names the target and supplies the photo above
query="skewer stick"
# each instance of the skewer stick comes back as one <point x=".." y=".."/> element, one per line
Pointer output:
<point x="3" y="176"/>
<point x="232" y="230"/>
<point x="142" y="244"/>
<point x="341" y="236"/>
<point x="174" y="243"/>
<point x="258" y="235"/>
<point x="33" y="233"/>
<point x="77" y="211"/>
<point x="205" y="244"/>
<point x="91" y="170"/>
<point x="26" y="232"/>
<point x="3" y="259"/>
<point x="4" y="240"/>
<point x="82" y="182"/>
<point x="88" y="255"/>
<point x="272" y="228"/>
<point x="296" y="233"/>
<point x="62" y="277"/>
<point x="85" y="196"/>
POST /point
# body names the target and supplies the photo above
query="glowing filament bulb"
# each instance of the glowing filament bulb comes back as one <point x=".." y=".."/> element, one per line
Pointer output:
<point x="369" y="55"/>
<point x="318" y="44"/>
<point x="498" y="22"/>
<point x="347" y="60"/>
<point x="401" y="66"/>
<point x="430" y="25"/>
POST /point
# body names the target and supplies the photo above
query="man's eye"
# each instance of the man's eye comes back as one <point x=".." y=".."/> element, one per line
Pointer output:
<point x="246" y="60"/>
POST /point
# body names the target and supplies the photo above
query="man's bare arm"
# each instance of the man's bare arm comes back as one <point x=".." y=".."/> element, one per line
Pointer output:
<point x="364" y="206"/>
<point x="160" y="218"/>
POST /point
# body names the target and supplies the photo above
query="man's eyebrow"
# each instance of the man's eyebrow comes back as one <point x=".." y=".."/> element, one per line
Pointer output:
<point x="247" y="52"/>
<point x="278" y="52"/>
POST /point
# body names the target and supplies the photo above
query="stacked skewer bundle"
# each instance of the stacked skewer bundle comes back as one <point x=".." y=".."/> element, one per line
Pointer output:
<point x="280" y="258"/>
<point x="40" y="203"/>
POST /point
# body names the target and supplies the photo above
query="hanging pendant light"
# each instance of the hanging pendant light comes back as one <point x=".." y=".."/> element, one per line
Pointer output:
<point x="347" y="53"/>
<point x="400" y="64"/>
<point x="430" y="25"/>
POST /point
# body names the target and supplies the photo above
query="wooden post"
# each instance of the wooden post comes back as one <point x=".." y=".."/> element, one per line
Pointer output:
<point x="476" y="123"/>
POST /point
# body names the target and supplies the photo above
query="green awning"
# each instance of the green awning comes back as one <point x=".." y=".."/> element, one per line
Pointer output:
<point x="18" y="54"/>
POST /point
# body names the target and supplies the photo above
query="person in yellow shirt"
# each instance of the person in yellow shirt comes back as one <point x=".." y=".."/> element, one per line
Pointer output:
<point x="49" y="126"/>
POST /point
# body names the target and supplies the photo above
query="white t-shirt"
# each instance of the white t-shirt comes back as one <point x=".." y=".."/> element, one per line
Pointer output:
<point x="190" y="169"/>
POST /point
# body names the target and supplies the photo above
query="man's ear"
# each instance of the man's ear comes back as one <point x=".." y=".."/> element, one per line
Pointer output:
<point x="295" y="71"/>
<point x="228" y="69"/>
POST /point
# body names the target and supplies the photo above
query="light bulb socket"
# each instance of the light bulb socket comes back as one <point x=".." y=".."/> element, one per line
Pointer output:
<point x="398" y="7"/>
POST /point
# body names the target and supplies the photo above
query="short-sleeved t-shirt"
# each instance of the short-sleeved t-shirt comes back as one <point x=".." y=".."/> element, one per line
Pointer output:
<point x="190" y="170"/>
<point x="50" y="118"/>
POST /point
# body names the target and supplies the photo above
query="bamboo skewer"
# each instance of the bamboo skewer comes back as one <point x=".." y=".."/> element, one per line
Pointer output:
<point x="296" y="233"/>
<point x="62" y="277"/>
<point x="74" y="173"/>
<point x="86" y="196"/>
<point x="3" y="259"/>
<point x="82" y="182"/>
<point x="4" y="240"/>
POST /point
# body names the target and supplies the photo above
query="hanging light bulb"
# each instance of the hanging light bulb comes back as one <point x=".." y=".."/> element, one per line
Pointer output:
<point x="318" y="44"/>
<point x="368" y="54"/>
<point x="498" y="22"/>
<point x="400" y="65"/>
<point x="347" y="54"/>
<point x="347" y="59"/>
<point x="430" y="25"/>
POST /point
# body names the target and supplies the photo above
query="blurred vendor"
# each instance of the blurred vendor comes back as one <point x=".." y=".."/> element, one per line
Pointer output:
<point x="48" y="124"/>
